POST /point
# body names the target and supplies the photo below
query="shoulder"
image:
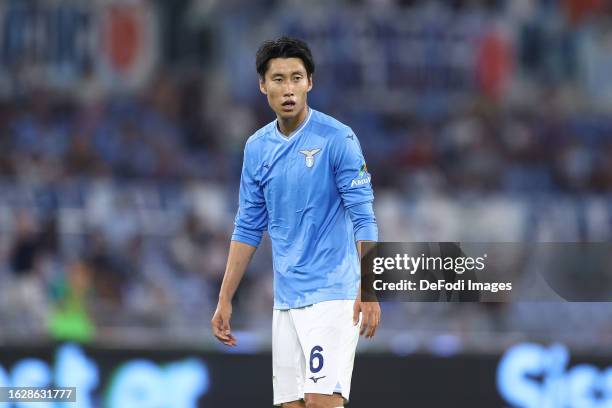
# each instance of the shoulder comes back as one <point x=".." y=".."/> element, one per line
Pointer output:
<point x="329" y="126"/>
<point x="255" y="141"/>
<point x="339" y="136"/>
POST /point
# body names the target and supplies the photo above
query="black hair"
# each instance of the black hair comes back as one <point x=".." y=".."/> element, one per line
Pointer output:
<point x="283" y="47"/>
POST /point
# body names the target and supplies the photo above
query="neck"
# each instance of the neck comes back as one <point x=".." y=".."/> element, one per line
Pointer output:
<point x="287" y="126"/>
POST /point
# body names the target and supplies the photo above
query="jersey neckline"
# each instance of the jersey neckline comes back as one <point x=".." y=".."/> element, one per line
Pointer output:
<point x="295" y="133"/>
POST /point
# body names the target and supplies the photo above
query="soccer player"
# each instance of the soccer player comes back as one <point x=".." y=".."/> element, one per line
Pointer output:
<point x="305" y="180"/>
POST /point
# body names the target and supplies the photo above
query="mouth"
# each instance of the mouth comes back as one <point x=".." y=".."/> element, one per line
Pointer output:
<point x="288" y="106"/>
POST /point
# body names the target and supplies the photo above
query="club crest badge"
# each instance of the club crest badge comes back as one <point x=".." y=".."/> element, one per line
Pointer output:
<point x="309" y="155"/>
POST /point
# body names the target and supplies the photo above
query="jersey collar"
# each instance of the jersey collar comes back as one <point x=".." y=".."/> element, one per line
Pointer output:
<point x="296" y="131"/>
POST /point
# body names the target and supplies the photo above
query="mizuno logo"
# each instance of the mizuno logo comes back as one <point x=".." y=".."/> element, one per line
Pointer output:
<point x="309" y="154"/>
<point x="315" y="379"/>
<point x="350" y="137"/>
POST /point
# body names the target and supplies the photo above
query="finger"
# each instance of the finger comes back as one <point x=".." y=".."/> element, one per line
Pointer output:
<point x="216" y="329"/>
<point x="224" y="340"/>
<point x="370" y="324"/>
<point x="219" y="329"/>
<point x="365" y="320"/>
<point x="356" y="309"/>
<point x="376" y="322"/>
<point x="220" y="335"/>
<point x="225" y="326"/>
<point x="373" y="327"/>
<point x="227" y="331"/>
<point x="228" y="340"/>
<point x="231" y="342"/>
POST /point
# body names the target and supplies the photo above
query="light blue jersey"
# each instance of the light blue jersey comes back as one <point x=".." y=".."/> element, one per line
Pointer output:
<point x="312" y="192"/>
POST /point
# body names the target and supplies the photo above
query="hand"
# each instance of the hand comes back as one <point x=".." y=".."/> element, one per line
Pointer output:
<point x="370" y="317"/>
<point x="220" y="323"/>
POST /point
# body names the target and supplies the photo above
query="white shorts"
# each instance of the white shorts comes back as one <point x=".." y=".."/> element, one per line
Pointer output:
<point x="313" y="349"/>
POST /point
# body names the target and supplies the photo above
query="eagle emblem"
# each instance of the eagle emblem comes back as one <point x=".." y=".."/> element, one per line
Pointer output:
<point x="309" y="155"/>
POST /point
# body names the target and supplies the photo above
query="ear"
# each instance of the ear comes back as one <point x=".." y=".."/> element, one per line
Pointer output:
<point x="262" y="85"/>
<point x="309" y="83"/>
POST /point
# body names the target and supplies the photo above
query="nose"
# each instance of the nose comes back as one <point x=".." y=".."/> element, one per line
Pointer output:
<point x="288" y="90"/>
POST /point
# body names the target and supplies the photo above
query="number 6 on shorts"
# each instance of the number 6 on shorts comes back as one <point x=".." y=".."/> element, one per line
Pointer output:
<point x="315" y="354"/>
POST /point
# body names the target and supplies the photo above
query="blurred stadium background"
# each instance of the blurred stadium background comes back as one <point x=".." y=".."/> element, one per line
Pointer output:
<point x="122" y="125"/>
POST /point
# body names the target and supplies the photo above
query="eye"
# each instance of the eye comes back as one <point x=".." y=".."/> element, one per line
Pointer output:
<point x="277" y="80"/>
<point x="297" y="77"/>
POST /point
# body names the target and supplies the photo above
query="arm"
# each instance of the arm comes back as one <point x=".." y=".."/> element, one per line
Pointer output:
<point x="364" y="225"/>
<point x="356" y="316"/>
<point x="354" y="186"/>
<point x="240" y="255"/>
<point x="251" y="220"/>
<point x="370" y="311"/>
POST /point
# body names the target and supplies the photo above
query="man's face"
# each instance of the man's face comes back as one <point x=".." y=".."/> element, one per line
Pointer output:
<point x="286" y="85"/>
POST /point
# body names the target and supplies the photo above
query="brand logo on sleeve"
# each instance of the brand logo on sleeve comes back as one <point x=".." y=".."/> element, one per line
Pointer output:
<point x="363" y="177"/>
<point x="309" y="155"/>
<point x="360" y="182"/>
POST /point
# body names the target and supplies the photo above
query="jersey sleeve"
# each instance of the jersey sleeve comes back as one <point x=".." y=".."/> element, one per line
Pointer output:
<point x="252" y="217"/>
<point x="354" y="185"/>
